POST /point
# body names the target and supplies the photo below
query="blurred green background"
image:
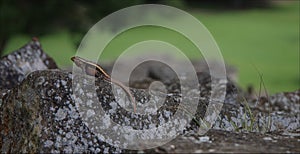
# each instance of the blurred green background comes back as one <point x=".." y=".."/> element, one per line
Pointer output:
<point x="251" y="34"/>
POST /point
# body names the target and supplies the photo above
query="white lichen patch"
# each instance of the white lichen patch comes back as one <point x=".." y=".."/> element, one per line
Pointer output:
<point x="60" y="114"/>
<point x="48" y="143"/>
<point x="90" y="113"/>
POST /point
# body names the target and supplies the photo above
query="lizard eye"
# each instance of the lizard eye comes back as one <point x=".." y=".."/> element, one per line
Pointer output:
<point x="76" y="61"/>
<point x="73" y="58"/>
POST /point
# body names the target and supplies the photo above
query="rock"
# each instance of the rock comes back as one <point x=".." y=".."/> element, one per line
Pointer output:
<point x="154" y="70"/>
<point x="15" y="66"/>
<point x="285" y="102"/>
<point x="230" y="142"/>
<point x="42" y="111"/>
<point x="40" y="116"/>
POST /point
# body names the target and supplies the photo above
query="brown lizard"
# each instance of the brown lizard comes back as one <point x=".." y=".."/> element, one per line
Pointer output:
<point x="93" y="69"/>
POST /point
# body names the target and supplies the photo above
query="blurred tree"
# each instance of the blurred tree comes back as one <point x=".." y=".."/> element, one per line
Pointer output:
<point x="31" y="17"/>
<point x="229" y="4"/>
<point x="36" y="17"/>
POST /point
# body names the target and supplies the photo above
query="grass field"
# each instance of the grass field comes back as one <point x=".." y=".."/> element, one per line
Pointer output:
<point x="264" y="38"/>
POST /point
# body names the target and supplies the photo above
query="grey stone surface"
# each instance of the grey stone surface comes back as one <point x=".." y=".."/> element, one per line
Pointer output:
<point x="40" y="115"/>
<point x="15" y="66"/>
<point x="40" y="111"/>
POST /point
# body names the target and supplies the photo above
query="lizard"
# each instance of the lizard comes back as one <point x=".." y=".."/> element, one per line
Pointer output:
<point x="94" y="69"/>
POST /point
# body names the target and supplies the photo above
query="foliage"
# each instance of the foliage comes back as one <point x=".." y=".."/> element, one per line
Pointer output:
<point x="36" y="18"/>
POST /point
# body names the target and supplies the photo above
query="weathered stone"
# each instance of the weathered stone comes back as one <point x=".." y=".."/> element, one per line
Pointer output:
<point x="217" y="141"/>
<point x="42" y="115"/>
<point x="15" y="66"/>
<point x="285" y="102"/>
<point x="42" y="111"/>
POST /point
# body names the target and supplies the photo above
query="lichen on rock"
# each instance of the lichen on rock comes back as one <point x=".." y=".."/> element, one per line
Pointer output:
<point x="41" y="111"/>
<point x="15" y="66"/>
